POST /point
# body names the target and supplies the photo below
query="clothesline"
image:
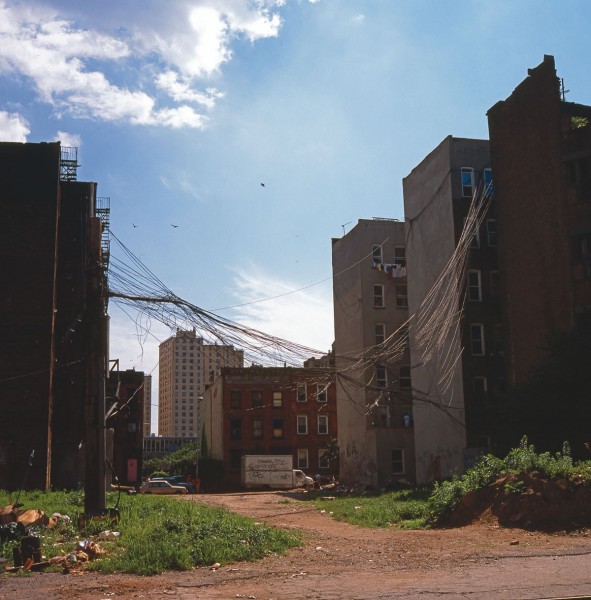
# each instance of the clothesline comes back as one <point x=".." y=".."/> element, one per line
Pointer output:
<point x="392" y="269"/>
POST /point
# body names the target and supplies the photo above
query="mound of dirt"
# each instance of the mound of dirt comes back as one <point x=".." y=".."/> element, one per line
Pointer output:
<point x="528" y="501"/>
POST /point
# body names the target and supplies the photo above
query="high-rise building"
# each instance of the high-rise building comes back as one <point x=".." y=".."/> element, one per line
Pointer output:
<point x="147" y="405"/>
<point x="453" y="385"/>
<point x="374" y="401"/>
<point x="186" y="365"/>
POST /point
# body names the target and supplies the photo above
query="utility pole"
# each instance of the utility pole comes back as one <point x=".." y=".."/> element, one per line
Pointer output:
<point x="97" y="353"/>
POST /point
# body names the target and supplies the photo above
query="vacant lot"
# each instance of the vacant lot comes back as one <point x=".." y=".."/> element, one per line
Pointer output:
<point x="342" y="561"/>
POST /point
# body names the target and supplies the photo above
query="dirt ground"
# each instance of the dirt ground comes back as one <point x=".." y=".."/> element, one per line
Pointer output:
<point x="340" y="561"/>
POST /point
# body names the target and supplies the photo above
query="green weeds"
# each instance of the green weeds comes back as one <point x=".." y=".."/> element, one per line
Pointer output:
<point x="156" y="534"/>
<point x="405" y="509"/>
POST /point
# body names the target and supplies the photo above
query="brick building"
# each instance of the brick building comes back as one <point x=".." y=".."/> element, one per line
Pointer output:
<point x="268" y="410"/>
<point x="541" y="157"/>
<point x="125" y="423"/>
<point x="53" y="331"/>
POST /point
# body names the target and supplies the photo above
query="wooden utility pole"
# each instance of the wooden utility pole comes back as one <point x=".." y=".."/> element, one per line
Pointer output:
<point x="97" y="353"/>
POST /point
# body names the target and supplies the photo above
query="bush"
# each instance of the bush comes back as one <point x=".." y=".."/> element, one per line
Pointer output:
<point x="523" y="459"/>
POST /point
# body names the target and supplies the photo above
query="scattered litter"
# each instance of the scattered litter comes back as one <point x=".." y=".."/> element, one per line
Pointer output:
<point x="215" y="566"/>
<point x="232" y="570"/>
<point x="514" y="542"/>
<point x="322" y="511"/>
<point x="109" y="535"/>
<point x="321" y="549"/>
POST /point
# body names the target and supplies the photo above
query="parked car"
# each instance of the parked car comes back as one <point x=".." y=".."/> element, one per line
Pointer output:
<point x="161" y="487"/>
<point x="177" y="480"/>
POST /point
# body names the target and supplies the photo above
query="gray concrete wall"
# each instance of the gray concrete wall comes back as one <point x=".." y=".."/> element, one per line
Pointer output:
<point x="365" y="447"/>
<point x="429" y="191"/>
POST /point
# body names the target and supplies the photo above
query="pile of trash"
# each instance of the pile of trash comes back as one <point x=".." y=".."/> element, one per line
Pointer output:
<point x="19" y="526"/>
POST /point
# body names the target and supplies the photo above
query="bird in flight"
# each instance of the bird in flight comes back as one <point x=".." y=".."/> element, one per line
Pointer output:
<point x="134" y="225"/>
<point x="262" y="184"/>
<point x="175" y="226"/>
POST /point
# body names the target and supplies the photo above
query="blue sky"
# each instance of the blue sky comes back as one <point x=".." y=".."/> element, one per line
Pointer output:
<point x="181" y="109"/>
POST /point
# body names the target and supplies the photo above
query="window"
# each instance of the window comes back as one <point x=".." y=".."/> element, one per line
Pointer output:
<point x="403" y="335"/>
<point x="277" y="399"/>
<point x="474" y="287"/>
<point x="277" y="429"/>
<point x="303" y="459"/>
<point x="321" y="393"/>
<point x="257" y="428"/>
<point x="257" y="399"/>
<point x="467" y="182"/>
<point x="378" y="296"/>
<point x="404" y="378"/>
<point x="475" y="241"/>
<point x="494" y="286"/>
<point x="322" y="424"/>
<point x="235" y="429"/>
<point x="381" y="376"/>
<point x="302" y="425"/>
<point x="479" y="385"/>
<point x="491" y="232"/>
<point x="380" y="333"/>
<point x="488" y="182"/>
<point x="477" y="339"/>
<point x="302" y="395"/>
<point x="376" y="253"/>
<point x="397" y="461"/>
<point x="235" y="399"/>
<point x="499" y="340"/>
<point x="235" y="460"/>
<point x="401" y="296"/>
<point x="323" y="462"/>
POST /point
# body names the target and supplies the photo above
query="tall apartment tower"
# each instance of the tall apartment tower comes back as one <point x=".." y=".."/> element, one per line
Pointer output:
<point x="374" y="401"/>
<point x="186" y="366"/>
<point x="147" y="405"/>
<point x="452" y="388"/>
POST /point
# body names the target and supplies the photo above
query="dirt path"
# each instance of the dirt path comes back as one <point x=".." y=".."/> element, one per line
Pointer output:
<point x="339" y="561"/>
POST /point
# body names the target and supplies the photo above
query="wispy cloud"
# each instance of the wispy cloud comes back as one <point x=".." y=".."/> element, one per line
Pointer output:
<point x="68" y="139"/>
<point x="304" y="317"/>
<point x="13" y="127"/>
<point x="69" y="64"/>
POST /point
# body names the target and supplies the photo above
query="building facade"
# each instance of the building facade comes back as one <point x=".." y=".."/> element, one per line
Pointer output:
<point x="456" y="379"/>
<point x="375" y="407"/>
<point x="125" y="426"/>
<point x="147" y="405"/>
<point x="269" y="410"/>
<point x="541" y="154"/>
<point x="53" y="331"/>
<point x="186" y="365"/>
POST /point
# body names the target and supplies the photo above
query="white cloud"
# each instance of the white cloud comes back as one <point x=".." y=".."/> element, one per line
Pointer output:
<point x="179" y="89"/>
<point x="304" y="317"/>
<point x="68" y="139"/>
<point x="359" y="19"/>
<point x="13" y="127"/>
<point x="70" y="65"/>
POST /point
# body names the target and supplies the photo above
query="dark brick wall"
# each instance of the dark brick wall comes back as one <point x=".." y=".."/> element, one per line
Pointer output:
<point x="528" y="144"/>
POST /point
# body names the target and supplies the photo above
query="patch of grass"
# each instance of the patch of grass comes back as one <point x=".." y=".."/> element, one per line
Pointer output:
<point x="405" y="509"/>
<point x="157" y="534"/>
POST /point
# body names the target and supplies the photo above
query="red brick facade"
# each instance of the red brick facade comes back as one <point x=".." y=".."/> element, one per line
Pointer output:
<point x="276" y="411"/>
